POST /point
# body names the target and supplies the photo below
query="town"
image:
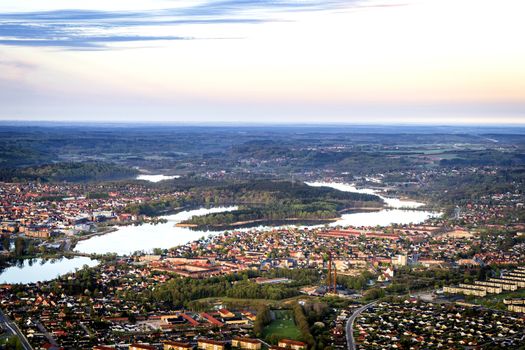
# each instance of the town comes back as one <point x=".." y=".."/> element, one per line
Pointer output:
<point x="136" y="302"/>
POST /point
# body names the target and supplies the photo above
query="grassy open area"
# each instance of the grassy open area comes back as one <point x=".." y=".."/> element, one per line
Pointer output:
<point x="253" y="303"/>
<point x="282" y="327"/>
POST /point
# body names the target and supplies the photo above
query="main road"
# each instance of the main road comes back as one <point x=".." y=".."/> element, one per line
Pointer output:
<point x="13" y="328"/>
<point x="350" y="325"/>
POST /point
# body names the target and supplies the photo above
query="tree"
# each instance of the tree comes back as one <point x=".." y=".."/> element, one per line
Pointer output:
<point x="19" y="246"/>
<point x="158" y="251"/>
<point x="31" y="248"/>
<point x="302" y="324"/>
<point x="263" y="319"/>
<point x="374" y="293"/>
<point x="6" y="243"/>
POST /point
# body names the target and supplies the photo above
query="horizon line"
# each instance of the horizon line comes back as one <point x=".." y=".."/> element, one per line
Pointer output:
<point x="263" y="124"/>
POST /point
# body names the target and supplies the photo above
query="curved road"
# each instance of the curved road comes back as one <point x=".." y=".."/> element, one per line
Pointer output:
<point x="350" y="325"/>
<point x="11" y="326"/>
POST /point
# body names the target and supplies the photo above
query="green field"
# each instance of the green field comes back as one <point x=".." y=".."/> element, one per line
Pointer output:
<point x="282" y="327"/>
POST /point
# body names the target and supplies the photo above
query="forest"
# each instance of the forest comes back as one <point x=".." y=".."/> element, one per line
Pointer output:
<point x="279" y="200"/>
<point x="67" y="171"/>
<point x="277" y="151"/>
<point x="257" y="200"/>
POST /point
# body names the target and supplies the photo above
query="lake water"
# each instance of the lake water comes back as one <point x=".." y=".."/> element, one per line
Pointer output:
<point x="35" y="270"/>
<point x="156" y="178"/>
<point x="399" y="211"/>
<point x="384" y="217"/>
<point x="390" y="202"/>
<point x="129" y="239"/>
<point x="146" y="237"/>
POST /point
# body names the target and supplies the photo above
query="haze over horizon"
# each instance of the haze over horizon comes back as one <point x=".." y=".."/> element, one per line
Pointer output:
<point x="285" y="61"/>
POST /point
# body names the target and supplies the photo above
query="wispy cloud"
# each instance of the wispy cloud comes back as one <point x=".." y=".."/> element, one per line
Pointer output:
<point x="72" y="36"/>
<point x="86" y="42"/>
<point x="93" y="29"/>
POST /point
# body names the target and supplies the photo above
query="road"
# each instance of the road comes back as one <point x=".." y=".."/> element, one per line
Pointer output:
<point x="350" y="325"/>
<point x="48" y="335"/>
<point x="14" y="330"/>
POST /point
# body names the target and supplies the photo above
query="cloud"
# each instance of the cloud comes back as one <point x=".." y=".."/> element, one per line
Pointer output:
<point x="229" y="7"/>
<point x="67" y="37"/>
<point x="69" y="28"/>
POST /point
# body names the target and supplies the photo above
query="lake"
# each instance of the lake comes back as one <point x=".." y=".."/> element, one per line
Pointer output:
<point x="390" y="202"/>
<point x="34" y="270"/>
<point x="399" y="211"/>
<point x="129" y="239"/>
<point x="156" y="178"/>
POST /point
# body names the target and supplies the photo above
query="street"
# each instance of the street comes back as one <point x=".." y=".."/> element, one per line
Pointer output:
<point x="350" y="325"/>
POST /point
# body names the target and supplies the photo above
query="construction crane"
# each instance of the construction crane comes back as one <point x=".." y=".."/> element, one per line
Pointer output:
<point x="329" y="277"/>
<point x="331" y="283"/>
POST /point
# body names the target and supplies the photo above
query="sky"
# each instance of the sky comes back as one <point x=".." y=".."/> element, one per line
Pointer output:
<point x="266" y="61"/>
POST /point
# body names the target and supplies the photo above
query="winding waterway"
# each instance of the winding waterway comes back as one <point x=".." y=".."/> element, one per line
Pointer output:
<point x="129" y="239"/>
<point x="390" y="202"/>
<point x="146" y="237"/>
<point x="399" y="211"/>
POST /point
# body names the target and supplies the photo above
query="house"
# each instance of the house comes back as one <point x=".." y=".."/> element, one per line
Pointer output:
<point x="38" y="232"/>
<point x="250" y="316"/>
<point x="236" y="320"/>
<point x="212" y="319"/>
<point x="173" y="345"/>
<point x="190" y="320"/>
<point x="225" y="313"/>
<point x="468" y="262"/>
<point x="292" y="344"/>
<point x="400" y="260"/>
<point x="246" y="343"/>
<point x="124" y="217"/>
<point x="209" y="344"/>
<point x="141" y="347"/>
<point x="387" y="275"/>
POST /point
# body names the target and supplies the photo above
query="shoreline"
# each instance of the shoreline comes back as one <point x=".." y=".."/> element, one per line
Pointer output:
<point x="248" y="223"/>
<point x="362" y="209"/>
<point x="94" y="234"/>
